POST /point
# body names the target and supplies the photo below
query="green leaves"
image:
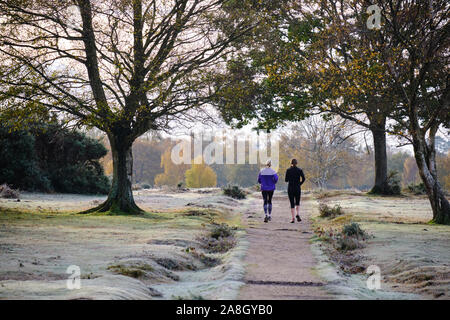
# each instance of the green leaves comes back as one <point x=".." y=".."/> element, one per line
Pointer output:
<point x="304" y="30"/>
<point x="50" y="157"/>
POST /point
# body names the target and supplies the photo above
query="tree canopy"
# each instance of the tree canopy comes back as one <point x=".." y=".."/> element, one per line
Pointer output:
<point x="124" y="67"/>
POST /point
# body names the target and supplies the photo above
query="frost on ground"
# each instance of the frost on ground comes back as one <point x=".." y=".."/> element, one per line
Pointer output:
<point x="413" y="255"/>
<point x="160" y="255"/>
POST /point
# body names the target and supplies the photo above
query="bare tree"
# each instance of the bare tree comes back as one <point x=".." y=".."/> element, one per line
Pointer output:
<point x="125" y="67"/>
<point x="323" y="147"/>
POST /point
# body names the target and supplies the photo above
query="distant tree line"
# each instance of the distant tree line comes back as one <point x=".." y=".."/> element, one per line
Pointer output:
<point x="330" y="156"/>
<point x="52" y="158"/>
<point x="153" y="167"/>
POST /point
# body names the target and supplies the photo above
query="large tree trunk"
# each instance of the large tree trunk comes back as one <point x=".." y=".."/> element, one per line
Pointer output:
<point x="120" y="198"/>
<point x="425" y="155"/>
<point x="381" y="185"/>
<point x="439" y="203"/>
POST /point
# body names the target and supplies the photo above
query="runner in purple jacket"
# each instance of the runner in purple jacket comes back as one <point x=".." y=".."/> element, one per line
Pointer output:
<point x="267" y="178"/>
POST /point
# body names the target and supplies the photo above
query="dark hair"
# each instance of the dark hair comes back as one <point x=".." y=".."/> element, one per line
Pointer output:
<point x="294" y="162"/>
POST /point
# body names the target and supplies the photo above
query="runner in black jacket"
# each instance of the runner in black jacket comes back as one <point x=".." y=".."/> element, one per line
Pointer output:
<point x="293" y="176"/>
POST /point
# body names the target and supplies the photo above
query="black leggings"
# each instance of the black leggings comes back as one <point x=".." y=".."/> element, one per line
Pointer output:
<point x="267" y="196"/>
<point x="294" y="197"/>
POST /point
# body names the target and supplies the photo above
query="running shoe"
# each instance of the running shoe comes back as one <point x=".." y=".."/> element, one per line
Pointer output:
<point x="292" y="221"/>
<point x="266" y="219"/>
<point x="298" y="218"/>
<point x="270" y="218"/>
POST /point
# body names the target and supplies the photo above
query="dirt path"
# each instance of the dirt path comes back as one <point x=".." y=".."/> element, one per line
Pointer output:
<point x="279" y="259"/>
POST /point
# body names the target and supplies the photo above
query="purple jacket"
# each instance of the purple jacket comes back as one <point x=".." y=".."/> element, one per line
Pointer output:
<point x="267" y="178"/>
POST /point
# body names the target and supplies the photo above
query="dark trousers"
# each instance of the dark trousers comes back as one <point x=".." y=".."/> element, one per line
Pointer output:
<point x="294" y="196"/>
<point x="267" y="196"/>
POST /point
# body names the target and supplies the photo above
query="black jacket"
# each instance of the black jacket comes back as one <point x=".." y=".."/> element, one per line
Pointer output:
<point x="293" y="175"/>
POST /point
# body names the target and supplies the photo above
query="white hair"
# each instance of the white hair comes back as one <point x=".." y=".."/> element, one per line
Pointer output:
<point x="269" y="163"/>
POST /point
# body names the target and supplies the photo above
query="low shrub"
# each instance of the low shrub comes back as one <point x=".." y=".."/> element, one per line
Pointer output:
<point x="349" y="238"/>
<point x="190" y="297"/>
<point x="394" y="182"/>
<point x="207" y="260"/>
<point x="330" y="212"/>
<point x="219" y="245"/>
<point x="135" y="271"/>
<point x="354" y="230"/>
<point x="345" y="243"/>
<point x="417" y="189"/>
<point x="234" y="191"/>
<point x="172" y="264"/>
<point x="8" y="193"/>
<point x="86" y="178"/>
<point x="220" y="239"/>
<point x="221" y="231"/>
